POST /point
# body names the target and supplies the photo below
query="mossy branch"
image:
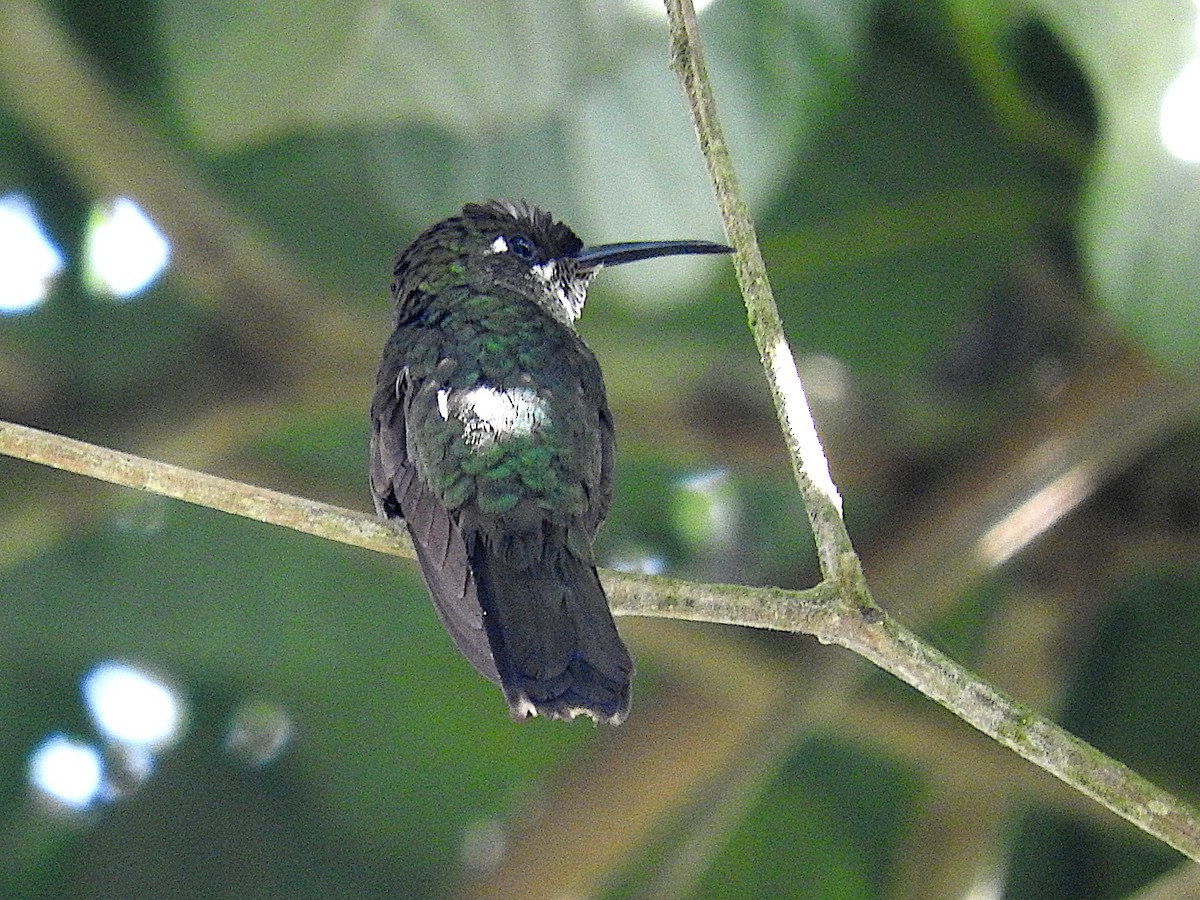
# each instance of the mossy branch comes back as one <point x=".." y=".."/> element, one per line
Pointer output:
<point x="834" y="612"/>
<point x="809" y="465"/>
<point x="852" y="619"/>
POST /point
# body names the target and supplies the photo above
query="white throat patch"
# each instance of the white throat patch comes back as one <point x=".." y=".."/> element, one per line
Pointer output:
<point x="570" y="298"/>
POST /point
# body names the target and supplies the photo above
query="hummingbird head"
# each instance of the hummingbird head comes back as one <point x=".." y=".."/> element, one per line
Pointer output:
<point x="521" y="247"/>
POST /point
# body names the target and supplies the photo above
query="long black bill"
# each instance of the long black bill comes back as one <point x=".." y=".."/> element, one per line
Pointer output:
<point x="632" y="251"/>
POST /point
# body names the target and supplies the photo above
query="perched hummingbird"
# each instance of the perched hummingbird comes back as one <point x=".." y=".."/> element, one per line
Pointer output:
<point x="492" y="439"/>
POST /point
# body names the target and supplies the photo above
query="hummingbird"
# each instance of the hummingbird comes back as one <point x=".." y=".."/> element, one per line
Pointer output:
<point x="491" y="438"/>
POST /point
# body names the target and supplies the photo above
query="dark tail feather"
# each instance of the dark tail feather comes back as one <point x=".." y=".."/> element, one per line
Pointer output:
<point x="553" y="638"/>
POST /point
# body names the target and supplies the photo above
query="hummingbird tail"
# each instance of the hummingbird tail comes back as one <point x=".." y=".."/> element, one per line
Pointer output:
<point x="552" y="636"/>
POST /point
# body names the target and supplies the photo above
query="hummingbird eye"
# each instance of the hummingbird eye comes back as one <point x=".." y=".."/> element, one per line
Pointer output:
<point x="521" y="246"/>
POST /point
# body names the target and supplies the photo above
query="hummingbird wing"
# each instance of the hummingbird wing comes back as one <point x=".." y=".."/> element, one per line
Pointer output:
<point x="397" y="485"/>
<point x="503" y="475"/>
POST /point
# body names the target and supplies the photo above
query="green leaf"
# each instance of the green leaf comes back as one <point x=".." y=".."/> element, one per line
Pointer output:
<point x="1140" y="209"/>
<point x="567" y="105"/>
<point x="364" y="63"/>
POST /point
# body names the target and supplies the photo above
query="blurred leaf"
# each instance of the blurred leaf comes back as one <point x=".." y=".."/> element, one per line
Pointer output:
<point x="569" y="105"/>
<point x="1138" y="679"/>
<point x="467" y="67"/>
<point x="380" y="699"/>
<point x="1138" y="222"/>
<point x="806" y="835"/>
<point x="904" y="219"/>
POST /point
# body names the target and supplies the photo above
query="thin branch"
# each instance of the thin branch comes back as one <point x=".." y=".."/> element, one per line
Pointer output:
<point x="1034" y="737"/>
<point x="631" y="594"/>
<point x="852" y="619"/>
<point x="273" y="507"/>
<point x="819" y="611"/>
<point x="809" y="464"/>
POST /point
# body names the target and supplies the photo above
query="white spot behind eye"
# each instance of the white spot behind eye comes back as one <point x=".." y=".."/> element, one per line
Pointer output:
<point x="499" y="245"/>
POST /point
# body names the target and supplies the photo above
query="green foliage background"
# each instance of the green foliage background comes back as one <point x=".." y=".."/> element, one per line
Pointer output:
<point x="969" y="220"/>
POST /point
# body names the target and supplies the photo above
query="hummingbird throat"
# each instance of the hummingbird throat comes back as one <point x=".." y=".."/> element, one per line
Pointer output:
<point x="568" y="291"/>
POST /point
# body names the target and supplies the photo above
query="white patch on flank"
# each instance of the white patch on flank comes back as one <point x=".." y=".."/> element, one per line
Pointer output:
<point x="499" y="245"/>
<point x="443" y="406"/>
<point x="490" y="415"/>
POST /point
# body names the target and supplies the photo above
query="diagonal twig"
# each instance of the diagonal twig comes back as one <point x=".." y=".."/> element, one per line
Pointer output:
<point x="854" y="620"/>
